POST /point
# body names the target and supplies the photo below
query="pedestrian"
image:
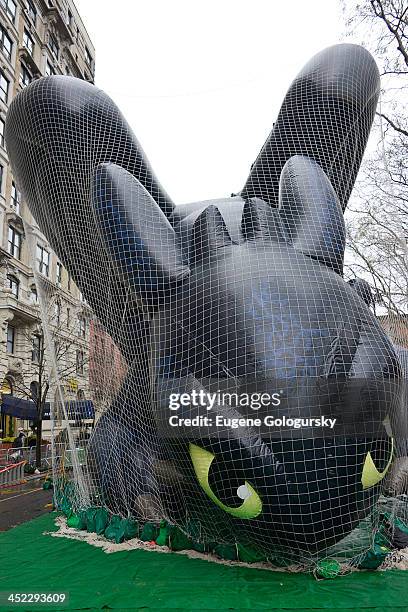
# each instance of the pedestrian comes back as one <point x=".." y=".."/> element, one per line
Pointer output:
<point x="19" y="442"/>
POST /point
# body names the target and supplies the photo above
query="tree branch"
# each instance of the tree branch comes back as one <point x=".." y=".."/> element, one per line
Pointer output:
<point x="394" y="126"/>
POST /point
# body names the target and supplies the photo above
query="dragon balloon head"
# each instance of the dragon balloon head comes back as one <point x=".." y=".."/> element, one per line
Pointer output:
<point x="240" y="293"/>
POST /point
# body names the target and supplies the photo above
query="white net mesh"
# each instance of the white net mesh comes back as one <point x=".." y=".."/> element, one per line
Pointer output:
<point x="207" y="313"/>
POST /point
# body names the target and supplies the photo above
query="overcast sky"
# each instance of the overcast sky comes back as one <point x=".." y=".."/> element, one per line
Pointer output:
<point x="201" y="82"/>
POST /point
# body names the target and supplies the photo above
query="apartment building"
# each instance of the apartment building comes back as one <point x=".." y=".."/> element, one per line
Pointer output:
<point x="37" y="38"/>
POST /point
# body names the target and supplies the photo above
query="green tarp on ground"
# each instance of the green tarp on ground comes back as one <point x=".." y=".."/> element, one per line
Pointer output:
<point x="138" y="579"/>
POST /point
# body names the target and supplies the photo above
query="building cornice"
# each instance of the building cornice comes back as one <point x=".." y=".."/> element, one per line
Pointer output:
<point x="53" y="15"/>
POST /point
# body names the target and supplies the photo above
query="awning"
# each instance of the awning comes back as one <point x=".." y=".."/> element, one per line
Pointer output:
<point x="27" y="410"/>
<point x="83" y="409"/>
<point x="17" y="407"/>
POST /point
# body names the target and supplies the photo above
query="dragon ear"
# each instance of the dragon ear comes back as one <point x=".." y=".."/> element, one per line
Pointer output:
<point x="139" y="239"/>
<point x="311" y="213"/>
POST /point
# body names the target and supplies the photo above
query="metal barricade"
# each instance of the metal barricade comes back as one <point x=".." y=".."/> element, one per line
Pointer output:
<point x="12" y="474"/>
<point x="63" y="455"/>
<point x="28" y="453"/>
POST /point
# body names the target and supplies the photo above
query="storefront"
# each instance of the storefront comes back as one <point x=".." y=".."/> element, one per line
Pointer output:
<point x="13" y="408"/>
<point x="8" y="422"/>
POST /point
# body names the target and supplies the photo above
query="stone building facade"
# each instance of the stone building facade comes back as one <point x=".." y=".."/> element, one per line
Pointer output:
<point x="37" y="38"/>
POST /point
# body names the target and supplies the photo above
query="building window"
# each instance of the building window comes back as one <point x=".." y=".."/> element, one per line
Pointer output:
<point x="68" y="316"/>
<point x="13" y="284"/>
<point x="25" y="75"/>
<point x="88" y="56"/>
<point x="1" y="178"/>
<point x="14" y="242"/>
<point x="15" y="198"/>
<point x="4" y="87"/>
<point x="43" y="260"/>
<point x="6" y="43"/>
<point x="34" y="390"/>
<point x="2" y="126"/>
<point x="69" y="282"/>
<point x="49" y="69"/>
<point x="53" y="44"/>
<point x="70" y="19"/>
<point x="33" y="295"/>
<point x="11" y="336"/>
<point x="28" y="41"/>
<point x="79" y="362"/>
<point x="81" y="327"/>
<point x="58" y="275"/>
<point x="32" y="11"/>
<point x="10" y="7"/>
<point x="35" y="352"/>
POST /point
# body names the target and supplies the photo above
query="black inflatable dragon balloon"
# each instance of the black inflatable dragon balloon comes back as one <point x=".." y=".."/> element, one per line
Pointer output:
<point x="244" y="292"/>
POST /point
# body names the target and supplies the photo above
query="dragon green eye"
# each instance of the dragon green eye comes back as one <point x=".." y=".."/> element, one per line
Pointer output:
<point x="371" y="476"/>
<point x="251" y="506"/>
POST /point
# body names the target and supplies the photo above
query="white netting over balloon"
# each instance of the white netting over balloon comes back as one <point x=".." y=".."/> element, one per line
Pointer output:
<point x="246" y="395"/>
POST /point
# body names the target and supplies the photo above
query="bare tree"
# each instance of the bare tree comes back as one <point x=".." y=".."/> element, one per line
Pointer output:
<point x="54" y="360"/>
<point x="378" y="223"/>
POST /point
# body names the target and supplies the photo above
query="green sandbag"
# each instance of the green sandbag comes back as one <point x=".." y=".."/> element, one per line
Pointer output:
<point x="150" y="532"/>
<point x="164" y="534"/>
<point x="250" y="555"/>
<point x="327" y="569"/>
<point x="65" y="506"/>
<point x="64" y="498"/>
<point x="194" y="531"/>
<point x="101" y="520"/>
<point x="374" y="557"/>
<point x="400" y="524"/>
<point x="226" y="551"/>
<point x="120" y="529"/>
<point x="90" y="519"/>
<point x="47" y="484"/>
<point x="73" y="521"/>
<point x="115" y="530"/>
<point x="200" y="547"/>
<point x="178" y="540"/>
<point x="131" y="529"/>
<point x="77" y="521"/>
<point x="393" y="532"/>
